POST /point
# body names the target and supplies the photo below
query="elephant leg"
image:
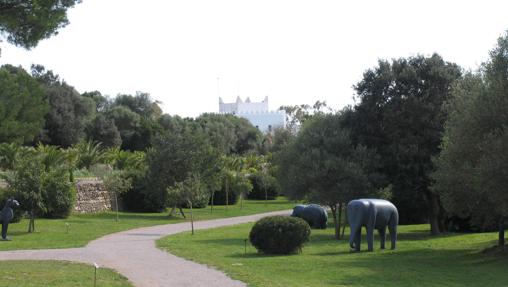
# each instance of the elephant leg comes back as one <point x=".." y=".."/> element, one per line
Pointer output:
<point x="382" y="236"/>
<point x="393" y="233"/>
<point x="4" y="230"/>
<point x="370" y="238"/>
<point x="358" y="238"/>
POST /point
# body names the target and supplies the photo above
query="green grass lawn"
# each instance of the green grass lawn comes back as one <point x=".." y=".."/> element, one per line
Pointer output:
<point x="419" y="260"/>
<point x="56" y="274"/>
<point x="52" y="233"/>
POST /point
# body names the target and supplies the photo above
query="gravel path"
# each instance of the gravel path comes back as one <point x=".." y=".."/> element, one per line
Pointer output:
<point x="133" y="253"/>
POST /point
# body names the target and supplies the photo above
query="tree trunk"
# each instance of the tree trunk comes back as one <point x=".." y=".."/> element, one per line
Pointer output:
<point x="340" y="219"/>
<point x="434" y="210"/>
<point x="266" y="194"/>
<point x="191" y="218"/>
<point x="31" y="223"/>
<point x="501" y="232"/>
<point x="345" y="223"/>
<point x="211" y="202"/>
<point x="335" y="222"/>
<point x="227" y="193"/>
<point x="116" y="206"/>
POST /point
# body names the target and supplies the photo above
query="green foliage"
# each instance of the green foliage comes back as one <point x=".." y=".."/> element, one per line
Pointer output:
<point x="400" y="115"/>
<point x="58" y="193"/>
<point x="230" y="134"/>
<point x="89" y="153"/>
<point x="279" y="234"/>
<point x="472" y="167"/>
<point x="140" y="104"/>
<point x="25" y="23"/>
<point x="263" y="186"/>
<point x="322" y="164"/>
<point x="42" y="188"/>
<point x="8" y="152"/>
<point x="174" y="156"/>
<point x="125" y="160"/>
<point x="190" y="192"/>
<point x="26" y="182"/>
<point x="104" y="130"/>
<point x="22" y="105"/>
<point x="69" y="112"/>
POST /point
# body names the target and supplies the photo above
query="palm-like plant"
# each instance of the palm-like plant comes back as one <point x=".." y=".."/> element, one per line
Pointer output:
<point x="52" y="156"/>
<point x="89" y="153"/>
<point x="8" y="152"/>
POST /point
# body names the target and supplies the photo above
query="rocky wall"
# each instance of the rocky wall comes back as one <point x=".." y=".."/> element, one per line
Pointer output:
<point x="91" y="196"/>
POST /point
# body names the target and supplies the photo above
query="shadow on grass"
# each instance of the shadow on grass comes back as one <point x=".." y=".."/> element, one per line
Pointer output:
<point x="429" y="267"/>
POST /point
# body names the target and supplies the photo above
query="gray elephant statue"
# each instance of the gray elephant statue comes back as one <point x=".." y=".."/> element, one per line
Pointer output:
<point x="314" y="214"/>
<point x="297" y="210"/>
<point x="373" y="214"/>
<point x="7" y="215"/>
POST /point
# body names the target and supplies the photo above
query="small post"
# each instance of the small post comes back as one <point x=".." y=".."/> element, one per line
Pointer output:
<point x="245" y="243"/>
<point x="95" y="275"/>
<point x="67" y="227"/>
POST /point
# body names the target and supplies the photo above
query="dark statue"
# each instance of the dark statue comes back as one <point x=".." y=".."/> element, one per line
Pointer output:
<point x="373" y="214"/>
<point x="314" y="214"/>
<point x="7" y="215"/>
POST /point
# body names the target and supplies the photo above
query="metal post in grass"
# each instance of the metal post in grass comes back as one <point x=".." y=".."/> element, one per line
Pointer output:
<point x="95" y="274"/>
<point x="245" y="243"/>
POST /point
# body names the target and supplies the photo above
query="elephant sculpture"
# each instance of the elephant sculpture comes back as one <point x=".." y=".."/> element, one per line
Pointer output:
<point x="314" y="214"/>
<point x="373" y="214"/>
<point x="7" y="215"/>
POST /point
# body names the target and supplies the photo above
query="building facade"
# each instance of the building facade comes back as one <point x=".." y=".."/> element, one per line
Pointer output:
<point x="257" y="113"/>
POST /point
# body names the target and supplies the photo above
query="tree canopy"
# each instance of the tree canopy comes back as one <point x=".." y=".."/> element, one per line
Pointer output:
<point x="323" y="166"/>
<point x="22" y="106"/>
<point x="25" y="22"/>
<point x="400" y="114"/>
<point x="472" y="173"/>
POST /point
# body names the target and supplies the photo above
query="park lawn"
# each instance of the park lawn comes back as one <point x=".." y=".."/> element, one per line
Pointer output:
<point x="79" y="229"/>
<point x="419" y="260"/>
<point x="56" y="274"/>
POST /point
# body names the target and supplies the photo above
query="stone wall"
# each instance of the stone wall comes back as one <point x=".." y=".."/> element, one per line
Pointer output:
<point x="91" y="196"/>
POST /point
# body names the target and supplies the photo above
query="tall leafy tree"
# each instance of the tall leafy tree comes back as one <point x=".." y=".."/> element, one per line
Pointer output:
<point x="104" y="130"/>
<point x="323" y="165"/>
<point x="69" y="112"/>
<point x="472" y="172"/>
<point x="22" y="106"/>
<point x="400" y="114"/>
<point x="173" y="157"/>
<point x="25" y="22"/>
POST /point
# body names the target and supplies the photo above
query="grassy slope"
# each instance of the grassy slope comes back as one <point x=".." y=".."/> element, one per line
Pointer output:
<point x="52" y="233"/>
<point x="420" y="260"/>
<point x="56" y="274"/>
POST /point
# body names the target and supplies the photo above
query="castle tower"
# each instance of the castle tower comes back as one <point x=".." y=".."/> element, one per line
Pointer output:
<point x="256" y="112"/>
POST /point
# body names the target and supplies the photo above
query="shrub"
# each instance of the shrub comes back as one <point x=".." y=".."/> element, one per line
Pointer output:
<point x="58" y="194"/>
<point x="279" y="234"/>
<point x="260" y="181"/>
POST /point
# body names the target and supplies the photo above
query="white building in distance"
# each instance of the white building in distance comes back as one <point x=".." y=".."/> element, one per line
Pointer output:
<point x="257" y="113"/>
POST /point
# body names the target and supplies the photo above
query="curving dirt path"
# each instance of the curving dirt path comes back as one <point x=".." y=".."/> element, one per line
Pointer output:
<point x="133" y="254"/>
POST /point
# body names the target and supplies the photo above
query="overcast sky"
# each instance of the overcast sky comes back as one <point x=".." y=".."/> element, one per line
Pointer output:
<point x="293" y="51"/>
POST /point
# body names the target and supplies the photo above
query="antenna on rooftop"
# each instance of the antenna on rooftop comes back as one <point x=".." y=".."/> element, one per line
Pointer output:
<point x="218" y="87"/>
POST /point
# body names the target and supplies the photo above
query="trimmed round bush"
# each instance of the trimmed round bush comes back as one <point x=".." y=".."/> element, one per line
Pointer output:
<point x="279" y="234"/>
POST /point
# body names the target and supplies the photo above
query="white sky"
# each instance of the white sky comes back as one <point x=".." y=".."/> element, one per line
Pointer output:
<point x="293" y="51"/>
